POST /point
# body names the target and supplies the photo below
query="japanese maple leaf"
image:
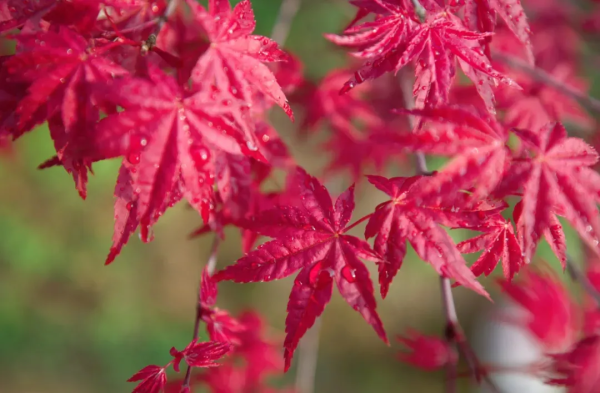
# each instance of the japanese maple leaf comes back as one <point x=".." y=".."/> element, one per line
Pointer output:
<point x="354" y="151"/>
<point x="11" y="92"/>
<point x="324" y="103"/>
<point x="221" y="326"/>
<point x="538" y="104"/>
<point x="476" y="143"/>
<point x="426" y="352"/>
<point x="153" y="379"/>
<point x="207" y="296"/>
<point x="554" y="234"/>
<point x="550" y="314"/>
<point x="200" y="354"/>
<point x="166" y="135"/>
<point x="62" y="70"/>
<point x="591" y="312"/>
<point x="235" y="183"/>
<point x="311" y="238"/>
<point x="434" y="44"/>
<point x="261" y="352"/>
<point x="498" y="241"/>
<point x="133" y="16"/>
<point x="15" y="13"/>
<point x="554" y="178"/>
<point x="254" y="357"/>
<point x="274" y="150"/>
<point x="578" y="368"/>
<point x="481" y="14"/>
<point x="234" y="60"/>
<point x="404" y="218"/>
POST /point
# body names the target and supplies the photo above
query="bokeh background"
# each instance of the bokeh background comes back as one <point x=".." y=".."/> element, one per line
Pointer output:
<point x="68" y="324"/>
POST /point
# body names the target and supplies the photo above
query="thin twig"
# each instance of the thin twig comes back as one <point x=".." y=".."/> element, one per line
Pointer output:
<point x="582" y="279"/>
<point x="211" y="265"/>
<point x="419" y="10"/>
<point x="453" y="331"/>
<point x="307" y="362"/>
<point x="451" y="327"/>
<point x="548" y="79"/>
<point x="409" y="103"/>
<point x="283" y="23"/>
<point x="169" y="11"/>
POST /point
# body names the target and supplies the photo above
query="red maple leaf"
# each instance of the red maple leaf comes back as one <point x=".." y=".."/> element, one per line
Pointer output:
<point x="62" y="70"/>
<point x="261" y="353"/>
<point x="554" y="234"/>
<point x="550" y="314"/>
<point x="538" y="104"/>
<point x="497" y="242"/>
<point x="477" y="144"/>
<point x="426" y="352"/>
<point x="15" y="13"/>
<point x="234" y="60"/>
<point x="311" y="238"/>
<point x="252" y="359"/>
<point x="133" y="17"/>
<point x="166" y="135"/>
<point x="480" y="15"/>
<point x="207" y="297"/>
<point x="403" y="218"/>
<point x="324" y="103"/>
<point x="578" y="368"/>
<point x="203" y="354"/>
<point x="11" y="93"/>
<point x="153" y="379"/>
<point x="556" y="177"/>
<point x="395" y="39"/>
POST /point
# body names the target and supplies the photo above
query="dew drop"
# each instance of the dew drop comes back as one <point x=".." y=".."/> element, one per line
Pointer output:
<point x="349" y="274"/>
<point x="318" y="277"/>
<point x="251" y="146"/>
<point x="134" y="158"/>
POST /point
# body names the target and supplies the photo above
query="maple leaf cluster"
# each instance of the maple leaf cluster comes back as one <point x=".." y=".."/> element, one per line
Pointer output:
<point x="181" y="94"/>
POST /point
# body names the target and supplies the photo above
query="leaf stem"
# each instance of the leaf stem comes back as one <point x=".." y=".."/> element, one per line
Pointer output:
<point x="211" y="264"/>
<point x="582" y="279"/>
<point x="283" y="23"/>
<point x="548" y="79"/>
<point x="357" y="222"/>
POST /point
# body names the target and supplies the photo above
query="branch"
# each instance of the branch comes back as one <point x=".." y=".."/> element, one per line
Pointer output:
<point x="307" y="361"/>
<point x="409" y="103"/>
<point x="283" y="23"/>
<point x="211" y="264"/>
<point x="453" y="331"/>
<point x="548" y="79"/>
<point x="582" y="279"/>
<point x="169" y="11"/>
<point x="419" y="10"/>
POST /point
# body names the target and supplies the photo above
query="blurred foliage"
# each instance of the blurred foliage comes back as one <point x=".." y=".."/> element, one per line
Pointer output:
<point x="70" y="324"/>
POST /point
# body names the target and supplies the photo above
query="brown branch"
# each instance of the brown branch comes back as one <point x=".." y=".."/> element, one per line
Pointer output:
<point x="211" y="264"/>
<point x="283" y="23"/>
<point x="549" y="80"/>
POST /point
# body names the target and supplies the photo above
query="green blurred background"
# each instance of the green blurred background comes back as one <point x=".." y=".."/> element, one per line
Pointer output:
<point x="70" y="324"/>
